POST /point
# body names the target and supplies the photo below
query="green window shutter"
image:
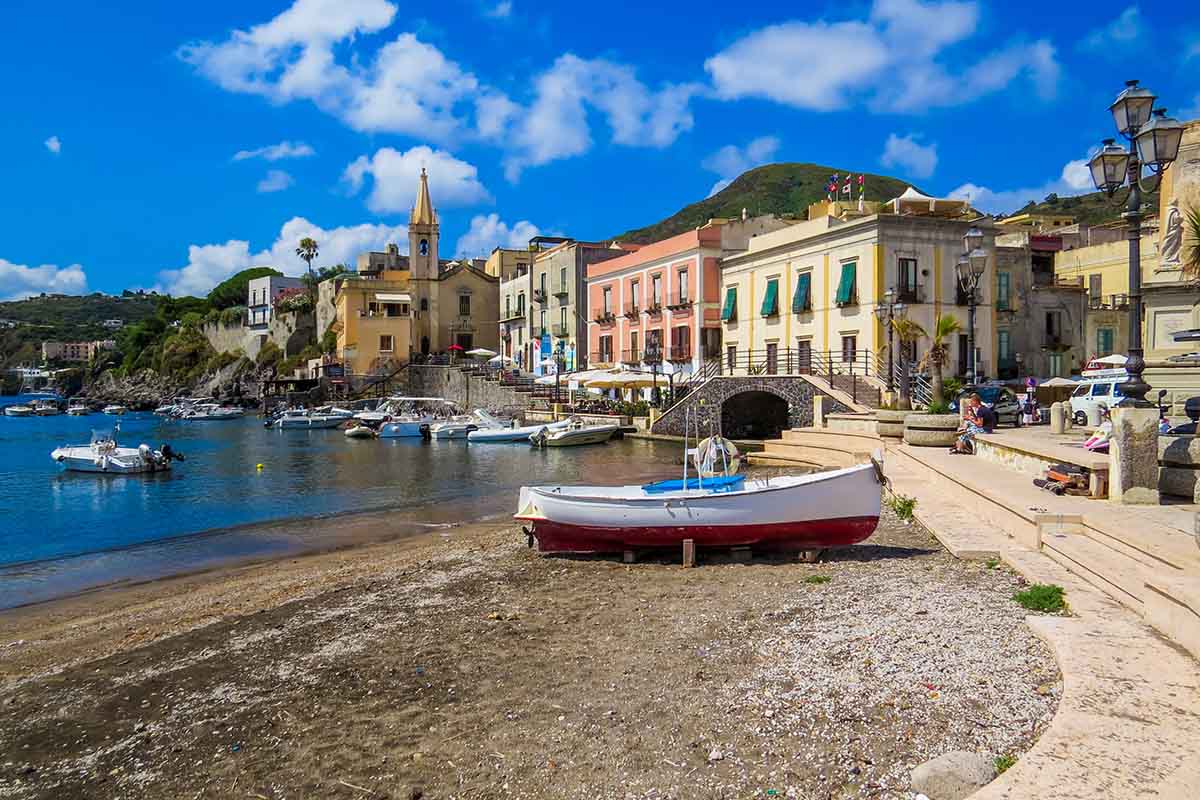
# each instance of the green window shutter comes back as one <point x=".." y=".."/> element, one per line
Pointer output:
<point x="802" y="299"/>
<point x="1105" y="343"/>
<point x="770" y="306"/>
<point x="729" y="312"/>
<point x="845" y="292"/>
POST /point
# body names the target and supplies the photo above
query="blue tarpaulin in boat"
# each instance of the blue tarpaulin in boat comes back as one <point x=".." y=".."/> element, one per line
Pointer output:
<point x="723" y="483"/>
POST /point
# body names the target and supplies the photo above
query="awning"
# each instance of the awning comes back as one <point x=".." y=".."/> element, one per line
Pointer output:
<point x="729" y="313"/>
<point x="802" y="299"/>
<point x="846" y="287"/>
<point x="393" y="298"/>
<point x="770" y="306"/>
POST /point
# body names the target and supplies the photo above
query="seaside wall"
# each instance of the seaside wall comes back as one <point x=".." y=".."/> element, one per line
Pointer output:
<point x="706" y="403"/>
<point x="466" y="391"/>
<point x="228" y="338"/>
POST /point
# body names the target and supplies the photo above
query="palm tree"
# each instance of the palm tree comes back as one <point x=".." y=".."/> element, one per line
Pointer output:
<point x="939" y="353"/>
<point x="908" y="332"/>
<point x="307" y="251"/>
<point x="1191" y="258"/>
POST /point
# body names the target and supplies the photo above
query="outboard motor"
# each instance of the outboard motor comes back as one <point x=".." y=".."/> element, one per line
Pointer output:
<point x="169" y="454"/>
<point x="425" y="432"/>
<point x="1191" y="407"/>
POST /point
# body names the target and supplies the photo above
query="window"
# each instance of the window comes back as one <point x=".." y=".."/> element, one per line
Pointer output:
<point x="681" y="343"/>
<point x="804" y="355"/>
<point x="683" y="285"/>
<point x="507" y="307"/>
<point x="770" y="306"/>
<point x="562" y="280"/>
<point x="710" y="340"/>
<point x="1104" y="342"/>
<point x="1101" y="389"/>
<point x="1003" y="290"/>
<point x="464" y="305"/>
<point x="543" y="322"/>
<point x="607" y="300"/>
<point x="521" y="304"/>
<point x="653" y="345"/>
<point x="802" y="299"/>
<point x="385" y="343"/>
<point x="424" y="303"/>
<point x="729" y="312"/>
<point x="606" y="351"/>
<point x="542" y="286"/>
<point x="1053" y="326"/>
<point x="1095" y="287"/>
<point x="849" y="349"/>
<point x="1055" y="360"/>
<point x="634" y="353"/>
<point x="907" y="284"/>
<point x="656" y="291"/>
<point x="847" y="291"/>
<point x="772" y="358"/>
<point x="633" y="294"/>
<point x="424" y="247"/>
<point x="562" y="316"/>
<point x="731" y="357"/>
<point x="372" y="308"/>
<point x="1003" y="345"/>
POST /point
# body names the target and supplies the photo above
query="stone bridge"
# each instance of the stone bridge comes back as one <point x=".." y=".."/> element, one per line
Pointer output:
<point x="750" y="407"/>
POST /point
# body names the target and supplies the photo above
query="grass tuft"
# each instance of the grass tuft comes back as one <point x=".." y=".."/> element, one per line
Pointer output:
<point x="1046" y="598"/>
<point x="902" y="505"/>
<point x="817" y="579"/>
<point x="1004" y="762"/>
<point x="993" y="563"/>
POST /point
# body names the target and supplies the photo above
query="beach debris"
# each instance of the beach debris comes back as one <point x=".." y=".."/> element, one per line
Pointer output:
<point x="716" y="755"/>
<point x="954" y="775"/>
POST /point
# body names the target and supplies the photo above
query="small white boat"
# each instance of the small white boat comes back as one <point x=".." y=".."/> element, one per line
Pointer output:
<point x="576" y="433"/>
<point x="105" y="455"/>
<point x="407" y="417"/>
<point x="359" y="431"/>
<point x="115" y="409"/>
<point x="308" y="420"/>
<point x="408" y="426"/>
<point x="500" y="434"/>
<point x="46" y="408"/>
<point x="793" y="512"/>
<point x="206" y="412"/>
<point x="78" y="409"/>
<point x="166" y="410"/>
<point x="18" y="411"/>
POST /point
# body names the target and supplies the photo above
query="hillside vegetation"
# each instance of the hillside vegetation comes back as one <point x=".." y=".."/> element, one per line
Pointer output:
<point x="65" y="319"/>
<point x="780" y="189"/>
<point x="1090" y="209"/>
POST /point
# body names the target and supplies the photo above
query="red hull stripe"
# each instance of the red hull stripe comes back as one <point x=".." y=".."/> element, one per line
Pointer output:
<point x="556" y="537"/>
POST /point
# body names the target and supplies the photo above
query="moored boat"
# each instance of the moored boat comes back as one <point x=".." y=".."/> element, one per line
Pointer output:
<point x="46" y="408"/>
<point x="115" y="409"/>
<point x="360" y="431"/>
<point x="521" y="434"/>
<point x="18" y="411"/>
<point x="206" y="412"/>
<point x="104" y="455"/>
<point x="303" y="419"/>
<point x="78" y="408"/>
<point x="794" y="512"/>
<point x="576" y="433"/>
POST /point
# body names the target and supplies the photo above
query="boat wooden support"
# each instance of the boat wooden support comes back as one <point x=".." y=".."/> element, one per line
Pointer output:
<point x="689" y="553"/>
<point x="629" y="557"/>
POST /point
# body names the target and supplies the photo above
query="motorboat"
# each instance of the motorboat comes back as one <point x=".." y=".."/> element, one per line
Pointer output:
<point x="577" y="432"/>
<point x="361" y="431"/>
<point x="115" y="409"/>
<point x="103" y="454"/>
<point x="18" y="411"/>
<point x="46" y="408"/>
<point x="78" y="408"/>
<point x="460" y="427"/>
<point x="501" y="434"/>
<point x="793" y="513"/>
<point x="409" y="417"/>
<point x="166" y="410"/>
<point x="304" y="419"/>
<point x="205" y="412"/>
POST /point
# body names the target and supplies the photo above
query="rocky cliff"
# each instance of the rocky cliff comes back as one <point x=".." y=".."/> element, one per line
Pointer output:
<point x="236" y="383"/>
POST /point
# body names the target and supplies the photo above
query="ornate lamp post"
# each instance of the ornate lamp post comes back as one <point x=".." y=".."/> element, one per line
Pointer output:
<point x="887" y="311"/>
<point x="970" y="268"/>
<point x="1153" y="144"/>
<point x="653" y="356"/>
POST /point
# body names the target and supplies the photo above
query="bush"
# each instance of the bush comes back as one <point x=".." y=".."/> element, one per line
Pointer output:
<point x="191" y="319"/>
<point x="941" y="407"/>
<point x="951" y="387"/>
<point x="329" y="341"/>
<point x="220" y="361"/>
<point x="310" y="351"/>
<point x="234" y="315"/>
<point x="1004" y="763"/>
<point x="233" y="291"/>
<point x="269" y="355"/>
<point x="902" y="505"/>
<point x="1047" y="598"/>
<point x="185" y="354"/>
<point x="289" y="365"/>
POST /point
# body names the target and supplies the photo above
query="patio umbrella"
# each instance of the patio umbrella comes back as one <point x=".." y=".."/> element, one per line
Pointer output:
<point x="500" y="360"/>
<point x="1059" y="383"/>
<point x="455" y="347"/>
<point x="1116" y="360"/>
<point x="481" y="352"/>
<point x="621" y="380"/>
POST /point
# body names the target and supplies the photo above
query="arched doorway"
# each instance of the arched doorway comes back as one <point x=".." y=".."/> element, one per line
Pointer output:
<point x="754" y="415"/>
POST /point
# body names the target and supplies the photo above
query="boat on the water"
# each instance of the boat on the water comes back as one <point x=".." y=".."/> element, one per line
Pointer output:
<point x="577" y="432"/>
<point x="205" y="412"/>
<point x="791" y="513"/>
<point x="501" y="434"/>
<point x="78" y="408"/>
<point x="360" y="431"/>
<point x="115" y="409"/>
<point x="104" y="455"/>
<point x="18" y="411"/>
<point x="407" y="417"/>
<point x="293" y="419"/>
<point x="46" y="408"/>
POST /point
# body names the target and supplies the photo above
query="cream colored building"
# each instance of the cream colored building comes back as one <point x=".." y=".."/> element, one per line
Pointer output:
<point x="806" y="294"/>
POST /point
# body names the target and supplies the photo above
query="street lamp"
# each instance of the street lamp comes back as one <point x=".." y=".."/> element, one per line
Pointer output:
<point x="887" y="311"/>
<point x="970" y="268"/>
<point x="653" y="356"/>
<point x="1153" y="144"/>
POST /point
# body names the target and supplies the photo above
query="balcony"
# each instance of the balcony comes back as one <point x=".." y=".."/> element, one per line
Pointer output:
<point x="914" y="293"/>
<point x="679" y="352"/>
<point x="679" y="301"/>
<point x="602" y="358"/>
<point x="632" y="311"/>
<point x="539" y="296"/>
<point x="562" y="290"/>
<point x="512" y="316"/>
<point x="654" y="308"/>
<point x="605" y="318"/>
<point x="561" y="331"/>
<point x="631" y="356"/>
<point x="1110" y="302"/>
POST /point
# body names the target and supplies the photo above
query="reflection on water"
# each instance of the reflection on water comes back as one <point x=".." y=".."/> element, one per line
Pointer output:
<point x="62" y="532"/>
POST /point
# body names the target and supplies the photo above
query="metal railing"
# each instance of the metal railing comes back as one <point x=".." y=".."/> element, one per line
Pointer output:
<point x="1108" y="302"/>
<point x="631" y="356"/>
<point x="679" y="300"/>
<point x="602" y="357"/>
<point x="561" y="331"/>
<point x="914" y="293"/>
<point x="605" y="317"/>
<point x="632" y="311"/>
<point x="679" y="352"/>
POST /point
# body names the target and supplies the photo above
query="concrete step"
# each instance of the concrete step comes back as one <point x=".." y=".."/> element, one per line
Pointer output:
<point x="849" y="441"/>
<point x="1112" y="572"/>
<point x="768" y="460"/>
<point x="816" y="454"/>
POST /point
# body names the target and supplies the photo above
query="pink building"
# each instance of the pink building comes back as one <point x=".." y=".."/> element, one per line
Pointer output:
<point x="661" y="304"/>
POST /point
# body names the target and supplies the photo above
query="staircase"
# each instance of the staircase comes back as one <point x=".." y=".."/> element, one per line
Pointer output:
<point x="834" y="446"/>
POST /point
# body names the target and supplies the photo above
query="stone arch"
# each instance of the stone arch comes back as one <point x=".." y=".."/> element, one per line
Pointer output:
<point x="754" y="414"/>
<point x="704" y="405"/>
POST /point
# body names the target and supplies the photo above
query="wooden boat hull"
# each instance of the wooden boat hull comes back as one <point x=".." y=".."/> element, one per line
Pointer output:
<point x="809" y="512"/>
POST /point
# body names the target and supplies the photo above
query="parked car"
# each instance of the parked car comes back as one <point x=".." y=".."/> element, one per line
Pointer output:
<point x="1005" y="402"/>
<point x="1093" y="393"/>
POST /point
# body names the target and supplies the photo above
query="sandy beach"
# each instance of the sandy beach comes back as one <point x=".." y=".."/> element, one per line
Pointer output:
<point x="460" y="664"/>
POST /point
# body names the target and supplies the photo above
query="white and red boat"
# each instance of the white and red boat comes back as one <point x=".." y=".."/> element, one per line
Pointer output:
<point x="796" y="512"/>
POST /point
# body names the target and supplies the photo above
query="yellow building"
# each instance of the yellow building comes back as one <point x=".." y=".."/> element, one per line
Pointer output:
<point x="806" y="294"/>
<point x="1035" y="222"/>
<point x="397" y="307"/>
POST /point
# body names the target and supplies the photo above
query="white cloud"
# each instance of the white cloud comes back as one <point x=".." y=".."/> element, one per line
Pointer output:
<point x="209" y="264"/>
<point x="489" y="231"/>
<point x="18" y="281"/>
<point x="1075" y="179"/>
<point x="395" y="176"/>
<point x="53" y="145"/>
<point x="501" y="10"/>
<point x="277" y="152"/>
<point x="1191" y="48"/>
<point x="1117" y="37"/>
<point x="890" y="60"/>
<point x="918" y="160"/>
<point x="731" y="161"/>
<point x="556" y="126"/>
<point x="276" y="180"/>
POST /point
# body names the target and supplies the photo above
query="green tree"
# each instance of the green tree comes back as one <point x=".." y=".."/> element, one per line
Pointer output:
<point x="233" y="290"/>
<point x="938" y="356"/>
<point x="908" y="332"/>
<point x="307" y="252"/>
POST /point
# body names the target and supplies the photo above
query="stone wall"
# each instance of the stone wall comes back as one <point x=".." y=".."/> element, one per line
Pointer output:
<point x="229" y="338"/>
<point x="468" y="392"/>
<point x="704" y="404"/>
<point x="291" y="332"/>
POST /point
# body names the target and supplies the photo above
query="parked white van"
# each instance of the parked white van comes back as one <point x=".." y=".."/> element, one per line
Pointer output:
<point x="1100" y="387"/>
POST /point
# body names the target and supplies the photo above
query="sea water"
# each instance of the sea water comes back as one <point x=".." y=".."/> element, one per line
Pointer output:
<point x="63" y="532"/>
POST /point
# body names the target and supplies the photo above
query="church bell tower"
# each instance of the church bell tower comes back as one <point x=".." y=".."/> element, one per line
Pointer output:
<point x="423" y="234"/>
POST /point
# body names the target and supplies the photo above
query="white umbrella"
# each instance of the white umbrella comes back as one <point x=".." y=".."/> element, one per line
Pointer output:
<point x="1058" y="383"/>
<point x="1116" y="359"/>
<point x="481" y="352"/>
<point x="500" y="360"/>
<point x="547" y="362"/>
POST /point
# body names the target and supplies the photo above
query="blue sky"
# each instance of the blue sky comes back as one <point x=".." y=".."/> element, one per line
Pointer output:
<point x="168" y="145"/>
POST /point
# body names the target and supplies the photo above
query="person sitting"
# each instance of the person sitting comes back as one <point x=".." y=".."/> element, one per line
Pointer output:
<point x="972" y="424"/>
<point x="989" y="418"/>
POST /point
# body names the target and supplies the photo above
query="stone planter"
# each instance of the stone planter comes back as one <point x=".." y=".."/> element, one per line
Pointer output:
<point x="891" y="423"/>
<point x="931" y="430"/>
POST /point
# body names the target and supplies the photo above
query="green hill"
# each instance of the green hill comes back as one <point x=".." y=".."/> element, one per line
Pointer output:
<point x="781" y="189"/>
<point x="25" y="324"/>
<point x="1091" y="209"/>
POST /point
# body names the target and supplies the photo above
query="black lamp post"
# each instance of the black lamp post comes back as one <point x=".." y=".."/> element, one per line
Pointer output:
<point x="653" y="357"/>
<point x="970" y="268"/>
<point x="888" y="311"/>
<point x="559" y="363"/>
<point x="1153" y="144"/>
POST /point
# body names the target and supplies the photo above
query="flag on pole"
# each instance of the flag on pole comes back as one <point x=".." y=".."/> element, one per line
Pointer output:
<point x="846" y="187"/>
<point x="862" y="187"/>
<point x="832" y="187"/>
